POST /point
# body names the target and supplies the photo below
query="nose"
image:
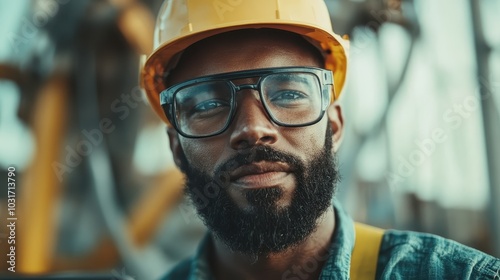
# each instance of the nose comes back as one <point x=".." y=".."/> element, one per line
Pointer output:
<point x="251" y="125"/>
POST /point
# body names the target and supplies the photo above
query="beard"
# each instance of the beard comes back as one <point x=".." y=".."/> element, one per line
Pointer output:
<point x="264" y="228"/>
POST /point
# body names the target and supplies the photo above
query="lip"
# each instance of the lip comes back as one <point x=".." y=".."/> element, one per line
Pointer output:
<point x="261" y="174"/>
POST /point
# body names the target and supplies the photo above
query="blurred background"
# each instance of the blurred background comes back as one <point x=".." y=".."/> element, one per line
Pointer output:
<point x="96" y="190"/>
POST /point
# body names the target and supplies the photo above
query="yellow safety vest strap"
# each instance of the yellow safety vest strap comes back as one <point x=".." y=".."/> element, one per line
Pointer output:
<point x="365" y="253"/>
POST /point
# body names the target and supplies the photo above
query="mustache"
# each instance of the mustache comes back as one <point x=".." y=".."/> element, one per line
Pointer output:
<point x="257" y="154"/>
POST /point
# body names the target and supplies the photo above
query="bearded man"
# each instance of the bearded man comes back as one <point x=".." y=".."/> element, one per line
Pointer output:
<point x="248" y="90"/>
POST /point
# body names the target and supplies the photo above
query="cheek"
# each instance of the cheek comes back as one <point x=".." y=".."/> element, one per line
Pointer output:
<point x="309" y="140"/>
<point x="201" y="154"/>
<point x="207" y="154"/>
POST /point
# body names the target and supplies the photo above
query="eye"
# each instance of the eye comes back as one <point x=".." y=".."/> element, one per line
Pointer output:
<point x="209" y="109"/>
<point x="209" y="105"/>
<point x="287" y="98"/>
<point x="287" y="95"/>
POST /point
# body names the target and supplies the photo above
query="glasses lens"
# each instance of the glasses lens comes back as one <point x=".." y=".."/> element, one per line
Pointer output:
<point x="292" y="98"/>
<point x="203" y="109"/>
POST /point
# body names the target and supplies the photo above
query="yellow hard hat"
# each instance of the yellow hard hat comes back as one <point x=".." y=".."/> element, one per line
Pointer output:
<point x="181" y="23"/>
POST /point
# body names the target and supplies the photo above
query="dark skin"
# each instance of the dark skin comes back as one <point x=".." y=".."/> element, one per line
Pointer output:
<point x="251" y="127"/>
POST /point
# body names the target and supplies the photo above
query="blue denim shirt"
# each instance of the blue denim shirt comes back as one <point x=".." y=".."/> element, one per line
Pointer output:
<point x="403" y="255"/>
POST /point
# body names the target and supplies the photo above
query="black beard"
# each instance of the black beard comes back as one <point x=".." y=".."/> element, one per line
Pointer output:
<point x="265" y="228"/>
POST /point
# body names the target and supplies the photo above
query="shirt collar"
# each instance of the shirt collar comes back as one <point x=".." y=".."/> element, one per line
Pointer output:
<point x="338" y="264"/>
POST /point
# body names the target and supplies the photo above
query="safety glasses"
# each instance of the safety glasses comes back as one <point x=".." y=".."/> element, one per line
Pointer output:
<point x="205" y="106"/>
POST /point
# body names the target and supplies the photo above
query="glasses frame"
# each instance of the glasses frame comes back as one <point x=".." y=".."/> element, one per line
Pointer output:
<point x="323" y="76"/>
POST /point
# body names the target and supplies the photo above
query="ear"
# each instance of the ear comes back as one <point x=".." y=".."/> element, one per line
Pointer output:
<point x="336" y="120"/>
<point x="175" y="145"/>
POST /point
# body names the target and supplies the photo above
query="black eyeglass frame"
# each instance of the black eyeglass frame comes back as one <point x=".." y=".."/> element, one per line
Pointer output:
<point x="324" y="77"/>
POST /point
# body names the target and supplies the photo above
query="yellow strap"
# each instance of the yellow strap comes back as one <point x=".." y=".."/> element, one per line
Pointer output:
<point x="365" y="253"/>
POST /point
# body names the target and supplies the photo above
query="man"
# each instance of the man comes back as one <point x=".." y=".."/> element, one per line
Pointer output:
<point x="248" y="93"/>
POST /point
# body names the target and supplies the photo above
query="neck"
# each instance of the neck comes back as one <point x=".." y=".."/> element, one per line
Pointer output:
<point x="304" y="261"/>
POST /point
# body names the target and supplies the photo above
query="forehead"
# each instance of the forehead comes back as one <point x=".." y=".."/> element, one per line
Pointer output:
<point x="245" y="50"/>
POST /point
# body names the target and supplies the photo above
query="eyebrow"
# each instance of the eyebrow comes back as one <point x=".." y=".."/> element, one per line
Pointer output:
<point x="285" y="77"/>
<point x="279" y="77"/>
<point x="192" y="95"/>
